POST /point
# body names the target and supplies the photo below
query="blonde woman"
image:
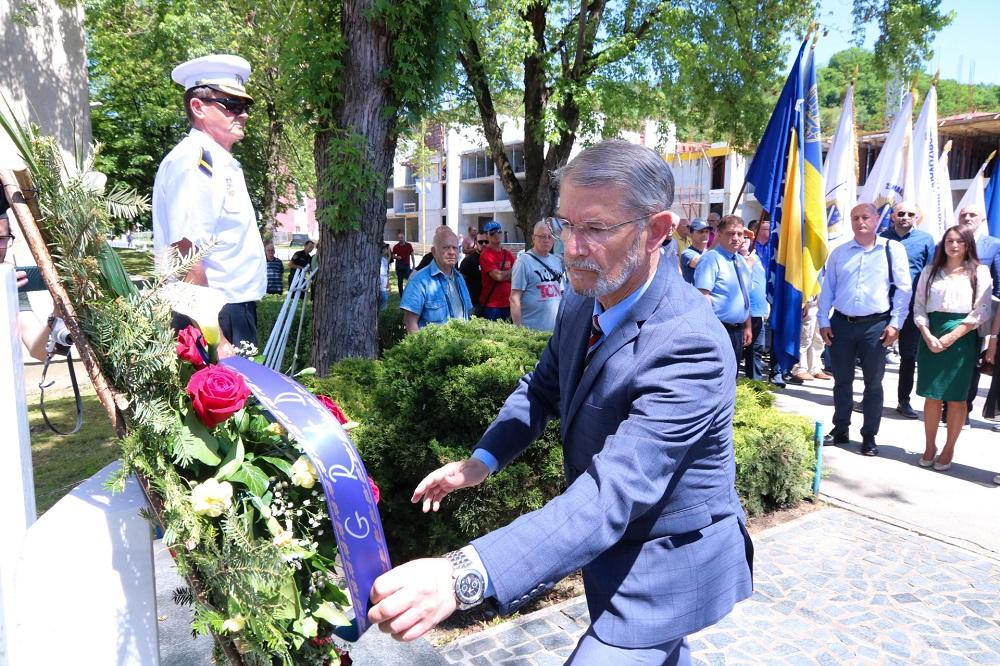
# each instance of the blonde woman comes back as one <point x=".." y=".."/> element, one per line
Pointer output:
<point x="951" y="299"/>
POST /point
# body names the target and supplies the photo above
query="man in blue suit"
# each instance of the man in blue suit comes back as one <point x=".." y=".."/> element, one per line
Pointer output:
<point x="641" y="375"/>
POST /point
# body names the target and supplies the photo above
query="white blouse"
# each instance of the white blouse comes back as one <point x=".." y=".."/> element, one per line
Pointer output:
<point x="953" y="293"/>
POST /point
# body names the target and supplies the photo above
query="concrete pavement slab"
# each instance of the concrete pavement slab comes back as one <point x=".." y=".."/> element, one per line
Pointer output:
<point x="961" y="505"/>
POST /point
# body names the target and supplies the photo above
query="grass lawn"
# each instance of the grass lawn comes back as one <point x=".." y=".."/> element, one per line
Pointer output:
<point x="62" y="462"/>
<point x="137" y="262"/>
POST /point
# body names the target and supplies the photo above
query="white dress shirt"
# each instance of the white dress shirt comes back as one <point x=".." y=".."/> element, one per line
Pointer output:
<point x="856" y="282"/>
<point x="953" y="293"/>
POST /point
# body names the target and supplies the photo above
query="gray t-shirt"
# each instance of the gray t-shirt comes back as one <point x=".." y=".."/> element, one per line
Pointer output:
<point x="539" y="279"/>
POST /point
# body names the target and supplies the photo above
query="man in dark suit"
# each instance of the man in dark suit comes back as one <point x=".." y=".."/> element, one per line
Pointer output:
<point x="641" y="375"/>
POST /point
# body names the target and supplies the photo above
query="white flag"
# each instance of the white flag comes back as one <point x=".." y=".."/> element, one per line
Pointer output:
<point x="944" y="186"/>
<point x="840" y="171"/>
<point x="891" y="179"/>
<point x="927" y="192"/>
<point x="976" y="196"/>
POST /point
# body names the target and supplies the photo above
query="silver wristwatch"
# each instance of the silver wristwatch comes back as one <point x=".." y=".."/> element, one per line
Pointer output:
<point x="470" y="586"/>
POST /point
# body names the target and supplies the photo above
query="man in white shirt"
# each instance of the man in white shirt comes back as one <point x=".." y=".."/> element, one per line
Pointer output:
<point x="862" y="305"/>
<point x="200" y="198"/>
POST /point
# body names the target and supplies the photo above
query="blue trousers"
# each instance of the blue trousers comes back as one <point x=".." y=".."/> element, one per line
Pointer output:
<point x="860" y="340"/>
<point x="753" y="356"/>
<point x="591" y="651"/>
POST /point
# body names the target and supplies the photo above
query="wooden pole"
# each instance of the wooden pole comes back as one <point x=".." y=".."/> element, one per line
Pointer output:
<point x="27" y="219"/>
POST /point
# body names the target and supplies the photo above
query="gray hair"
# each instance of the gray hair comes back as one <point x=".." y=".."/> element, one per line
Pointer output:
<point x="866" y="204"/>
<point x="645" y="179"/>
<point x="441" y="234"/>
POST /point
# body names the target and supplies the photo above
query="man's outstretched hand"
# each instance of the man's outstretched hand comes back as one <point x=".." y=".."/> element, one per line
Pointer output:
<point x="413" y="598"/>
<point x="440" y="482"/>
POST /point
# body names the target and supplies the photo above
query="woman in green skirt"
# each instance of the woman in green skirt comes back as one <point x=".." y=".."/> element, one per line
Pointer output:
<point x="951" y="300"/>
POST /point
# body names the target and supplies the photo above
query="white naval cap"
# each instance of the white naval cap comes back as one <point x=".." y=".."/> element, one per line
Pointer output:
<point x="225" y="73"/>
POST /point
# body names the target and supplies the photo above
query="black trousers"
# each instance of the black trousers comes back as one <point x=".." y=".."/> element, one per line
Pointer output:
<point x="909" y="338"/>
<point x="735" y="333"/>
<point x="851" y="341"/>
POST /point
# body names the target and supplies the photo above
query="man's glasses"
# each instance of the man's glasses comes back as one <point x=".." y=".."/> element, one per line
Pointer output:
<point x="237" y="107"/>
<point x="6" y="240"/>
<point x="590" y="232"/>
<point x="483" y="242"/>
<point x="905" y="213"/>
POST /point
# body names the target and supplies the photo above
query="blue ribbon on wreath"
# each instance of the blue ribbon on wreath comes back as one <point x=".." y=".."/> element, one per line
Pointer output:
<point x="349" y="500"/>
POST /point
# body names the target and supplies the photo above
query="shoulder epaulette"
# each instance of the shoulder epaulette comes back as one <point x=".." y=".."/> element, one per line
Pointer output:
<point x="205" y="163"/>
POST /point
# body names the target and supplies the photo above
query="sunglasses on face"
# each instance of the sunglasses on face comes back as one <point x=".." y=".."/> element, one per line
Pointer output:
<point x="483" y="242"/>
<point x="237" y="107"/>
<point x="905" y="213"/>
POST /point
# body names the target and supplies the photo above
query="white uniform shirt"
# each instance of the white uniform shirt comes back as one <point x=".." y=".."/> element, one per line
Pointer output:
<point x="204" y="200"/>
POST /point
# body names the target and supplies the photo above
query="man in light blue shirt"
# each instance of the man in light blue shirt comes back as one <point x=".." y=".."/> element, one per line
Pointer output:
<point x="724" y="277"/>
<point x="436" y="293"/>
<point x="859" y="320"/>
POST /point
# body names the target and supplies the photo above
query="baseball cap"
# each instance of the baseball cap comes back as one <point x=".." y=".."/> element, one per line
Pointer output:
<point x="697" y="224"/>
<point x="491" y="226"/>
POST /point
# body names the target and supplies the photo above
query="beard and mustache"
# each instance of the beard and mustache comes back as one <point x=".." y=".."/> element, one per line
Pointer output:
<point x="608" y="284"/>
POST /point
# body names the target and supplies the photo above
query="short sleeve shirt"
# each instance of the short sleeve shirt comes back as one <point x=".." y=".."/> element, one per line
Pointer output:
<point x="489" y="260"/>
<point x="686" y="257"/>
<point x="539" y="279"/>
<point x="200" y="194"/>
<point x="717" y="274"/>
<point x="435" y="297"/>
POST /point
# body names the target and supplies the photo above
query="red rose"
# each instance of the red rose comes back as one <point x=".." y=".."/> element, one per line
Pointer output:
<point x="375" y="491"/>
<point x="333" y="408"/>
<point x="216" y="394"/>
<point x="191" y="346"/>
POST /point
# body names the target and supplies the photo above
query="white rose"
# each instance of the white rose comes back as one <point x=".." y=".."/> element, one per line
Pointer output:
<point x="234" y="624"/>
<point x="303" y="473"/>
<point x="211" y="498"/>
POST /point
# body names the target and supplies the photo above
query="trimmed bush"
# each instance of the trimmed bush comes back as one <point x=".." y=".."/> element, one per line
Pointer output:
<point x="431" y="398"/>
<point x="775" y="456"/>
<point x="390" y="324"/>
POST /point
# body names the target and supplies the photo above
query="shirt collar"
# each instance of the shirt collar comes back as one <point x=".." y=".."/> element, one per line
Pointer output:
<point x="436" y="270"/>
<point x="724" y="252"/>
<point x="219" y="154"/>
<point x="611" y="318"/>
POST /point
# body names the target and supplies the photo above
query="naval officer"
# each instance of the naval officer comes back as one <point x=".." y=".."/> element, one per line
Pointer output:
<point x="200" y="199"/>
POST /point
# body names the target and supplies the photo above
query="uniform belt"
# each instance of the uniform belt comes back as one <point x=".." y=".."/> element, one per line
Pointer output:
<point x="733" y="327"/>
<point x="862" y="318"/>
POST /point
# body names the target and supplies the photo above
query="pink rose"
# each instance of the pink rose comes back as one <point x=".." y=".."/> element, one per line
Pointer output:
<point x="333" y="408"/>
<point x="216" y="394"/>
<point x="375" y="491"/>
<point x="191" y="346"/>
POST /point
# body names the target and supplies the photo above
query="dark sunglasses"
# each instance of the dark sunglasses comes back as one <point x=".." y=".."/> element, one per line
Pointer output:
<point x="483" y="242"/>
<point x="236" y="107"/>
<point x="905" y="213"/>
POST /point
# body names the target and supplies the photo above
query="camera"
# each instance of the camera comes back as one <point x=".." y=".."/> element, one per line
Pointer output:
<point x="59" y="338"/>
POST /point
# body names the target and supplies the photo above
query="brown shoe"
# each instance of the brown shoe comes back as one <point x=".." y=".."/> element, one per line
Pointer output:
<point x="822" y="375"/>
<point x="803" y="376"/>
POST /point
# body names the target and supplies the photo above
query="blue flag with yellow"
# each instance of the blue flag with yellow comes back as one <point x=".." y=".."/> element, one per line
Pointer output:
<point x="789" y="185"/>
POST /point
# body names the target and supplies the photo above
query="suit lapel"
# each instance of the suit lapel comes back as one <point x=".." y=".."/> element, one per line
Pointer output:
<point x="627" y="331"/>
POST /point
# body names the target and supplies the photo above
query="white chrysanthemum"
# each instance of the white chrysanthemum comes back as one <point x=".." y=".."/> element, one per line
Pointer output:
<point x="303" y="473"/>
<point x="211" y="498"/>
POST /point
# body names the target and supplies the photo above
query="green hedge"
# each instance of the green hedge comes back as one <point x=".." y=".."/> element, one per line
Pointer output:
<point x="433" y="395"/>
<point x="775" y="456"/>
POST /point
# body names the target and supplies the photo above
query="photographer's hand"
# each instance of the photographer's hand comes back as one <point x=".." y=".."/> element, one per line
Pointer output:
<point x="22" y="279"/>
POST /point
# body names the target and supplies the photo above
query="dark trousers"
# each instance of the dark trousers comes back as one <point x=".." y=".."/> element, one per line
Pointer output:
<point x="909" y="337"/>
<point x="735" y="333"/>
<point x="402" y="275"/>
<point x="974" y="386"/>
<point x="852" y="341"/>
<point x="753" y="356"/>
<point x="497" y="314"/>
<point x="238" y="322"/>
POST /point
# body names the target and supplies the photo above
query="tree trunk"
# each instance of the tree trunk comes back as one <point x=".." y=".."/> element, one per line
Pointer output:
<point x="346" y="306"/>
<point x="272" y="162"/>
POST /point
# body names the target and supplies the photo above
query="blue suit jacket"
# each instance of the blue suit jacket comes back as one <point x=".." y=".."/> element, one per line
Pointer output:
<point x="650" y="512"/>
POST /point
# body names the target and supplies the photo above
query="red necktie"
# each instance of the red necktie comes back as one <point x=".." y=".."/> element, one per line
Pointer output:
<point x="595" y="335"/>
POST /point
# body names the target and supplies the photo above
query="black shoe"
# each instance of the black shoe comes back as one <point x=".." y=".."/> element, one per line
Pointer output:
<point x="778" y="381"/>
<point x="836" y="437"/>
<point x="905" y="410"/>
<point x="792" y="379"/>
<point x="868" y="447"/>
<point x="858" y="407"/>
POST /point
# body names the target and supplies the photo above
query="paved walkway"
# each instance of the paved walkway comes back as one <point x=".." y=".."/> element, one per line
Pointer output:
<point x="961" y="506"/>
<point x="832" y="587"/>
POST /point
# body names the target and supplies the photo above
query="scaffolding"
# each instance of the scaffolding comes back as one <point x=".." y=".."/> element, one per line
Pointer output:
<point x="692" y="169"/>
